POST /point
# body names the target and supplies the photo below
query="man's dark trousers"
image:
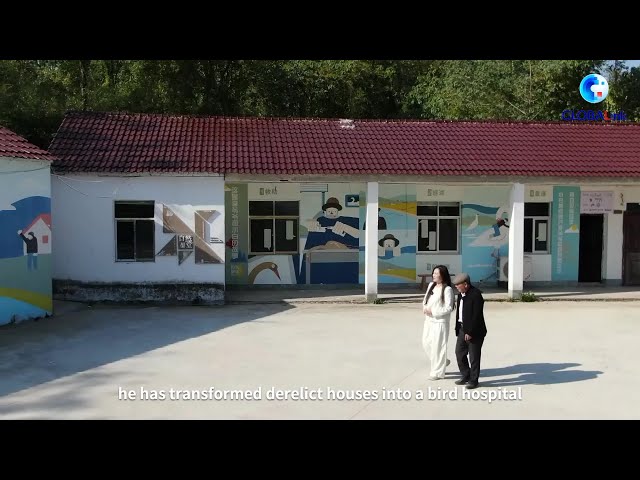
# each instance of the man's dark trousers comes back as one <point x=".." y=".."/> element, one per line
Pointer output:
<point x="474" y="349"/>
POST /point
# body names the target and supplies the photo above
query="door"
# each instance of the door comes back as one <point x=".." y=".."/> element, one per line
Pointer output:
<point x="590" y="266"/>
<point x="631" y="246"/>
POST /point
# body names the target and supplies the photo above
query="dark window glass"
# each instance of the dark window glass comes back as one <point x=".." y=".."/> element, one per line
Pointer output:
<point x="449" y="209"/>
<point x="528" y="234"/>
<point x="144" y="239"/>
<point x="261" y="209"/>
<point x="261" y="233"/>
<point x="541" y="235"/>
<point x="448" y="235"/>
<point x="423" y="235"/>
<point x="427" y="210"/>
<point x="134" y="209"/>
<point x="125" y="240"/>
<point x="287" y="209"/>
<point x="286" y="235"/>
<point x="536" y="209"/>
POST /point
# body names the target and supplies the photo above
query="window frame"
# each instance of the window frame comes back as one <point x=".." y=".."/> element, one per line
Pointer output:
<point x="117" y="220"/>
<point x="273" y="219"/>
<point x="532" y="239"/>
<point x="437" y="218"/>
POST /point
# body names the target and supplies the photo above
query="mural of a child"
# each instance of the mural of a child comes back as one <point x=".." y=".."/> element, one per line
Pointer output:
<point x="389" y="246"/>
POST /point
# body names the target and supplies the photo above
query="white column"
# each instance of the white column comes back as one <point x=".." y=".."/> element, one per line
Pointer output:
<point x="371" y="244"/>
<point x="516" y="241"/>
<point x="612" y="258"/>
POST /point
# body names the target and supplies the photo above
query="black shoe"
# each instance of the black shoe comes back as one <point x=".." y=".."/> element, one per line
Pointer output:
<point x="472" y="385"/>
<point x="462" y="381"/>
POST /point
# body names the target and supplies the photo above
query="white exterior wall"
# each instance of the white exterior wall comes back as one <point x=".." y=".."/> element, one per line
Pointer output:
<point x="537" y="267"/>
<point x="83" y="212"/>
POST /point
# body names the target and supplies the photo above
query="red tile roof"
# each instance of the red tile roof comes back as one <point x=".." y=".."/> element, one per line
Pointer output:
<point x="13" y="145"/>
<point x="130" y="143"/>
<point x="135" y="143"/>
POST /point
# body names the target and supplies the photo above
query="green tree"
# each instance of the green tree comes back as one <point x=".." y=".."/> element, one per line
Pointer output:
<point x="505" y="89"/>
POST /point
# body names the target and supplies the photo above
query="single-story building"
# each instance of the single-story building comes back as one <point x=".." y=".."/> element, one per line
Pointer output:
<point x="25" y="229"/>
<point x="199" y="203"/>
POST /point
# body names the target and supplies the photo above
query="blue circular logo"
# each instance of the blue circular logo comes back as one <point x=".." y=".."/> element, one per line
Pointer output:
<point x="594" y="88"/>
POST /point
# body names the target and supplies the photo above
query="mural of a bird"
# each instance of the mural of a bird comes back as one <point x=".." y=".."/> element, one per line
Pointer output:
<point x="473" y="224"/>
<point x="263" y="266"/>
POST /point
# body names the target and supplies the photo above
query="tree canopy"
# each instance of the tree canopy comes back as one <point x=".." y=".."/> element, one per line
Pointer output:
<point x="35" y="94"/>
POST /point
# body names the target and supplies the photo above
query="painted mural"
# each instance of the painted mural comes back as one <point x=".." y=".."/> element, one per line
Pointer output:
<point x="289" y="233"/>
<point x="203" y="240"/>
<point x="484" y="232"/>
<point x="565" y="234"/>
<point x="397" y="223"/>
<point x="25" y="246"/>
<point x="331" y="232"/>
<point x="314" y="233"/>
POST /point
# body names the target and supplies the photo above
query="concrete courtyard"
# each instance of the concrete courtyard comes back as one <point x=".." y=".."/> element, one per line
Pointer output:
<point x="545" y="360"/>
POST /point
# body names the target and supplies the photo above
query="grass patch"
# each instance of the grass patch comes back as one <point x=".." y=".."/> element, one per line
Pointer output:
<point x="529" y="297"/>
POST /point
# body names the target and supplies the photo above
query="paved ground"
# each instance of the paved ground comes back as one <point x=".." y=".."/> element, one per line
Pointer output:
<point x="569" y="360"/>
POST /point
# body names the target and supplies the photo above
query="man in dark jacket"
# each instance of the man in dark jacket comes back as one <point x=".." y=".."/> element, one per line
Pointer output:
<point x="470" y="330"/>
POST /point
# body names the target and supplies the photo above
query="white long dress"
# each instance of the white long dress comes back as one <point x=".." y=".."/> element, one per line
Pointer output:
<point x="435" y="334"/>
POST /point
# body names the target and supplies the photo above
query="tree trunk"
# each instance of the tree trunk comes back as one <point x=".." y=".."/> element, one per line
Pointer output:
<point x="84" y="81"/>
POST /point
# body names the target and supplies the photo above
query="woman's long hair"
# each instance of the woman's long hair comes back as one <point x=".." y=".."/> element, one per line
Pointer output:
<point x="446" y="281"/>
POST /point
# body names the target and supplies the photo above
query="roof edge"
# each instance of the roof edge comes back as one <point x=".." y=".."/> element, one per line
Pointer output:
<point x="89" y="113"/>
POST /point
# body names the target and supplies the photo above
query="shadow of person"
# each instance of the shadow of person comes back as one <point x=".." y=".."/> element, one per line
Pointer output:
<point x="535" y="374"/>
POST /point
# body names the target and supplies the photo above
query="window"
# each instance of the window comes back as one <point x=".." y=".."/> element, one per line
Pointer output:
<point x="536" y="227"/>
<point x="273" y="227"/>
<point x="45" y="239"/>
<point x="633" y="207"/>
<point x="438" y="226"/>
<point x="135" y="228"/>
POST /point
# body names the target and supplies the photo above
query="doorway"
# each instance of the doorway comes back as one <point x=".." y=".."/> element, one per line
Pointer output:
<point x="590" y="266"/>
<point x="631" y="245"/>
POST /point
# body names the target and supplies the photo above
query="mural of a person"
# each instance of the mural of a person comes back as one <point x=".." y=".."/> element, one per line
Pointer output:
<point x="333" y="227"/>
<point x="32" y="250"/>
<point x="382" y="223"/>
<point x="500" y="222"/>
<point x="389" y="244"/>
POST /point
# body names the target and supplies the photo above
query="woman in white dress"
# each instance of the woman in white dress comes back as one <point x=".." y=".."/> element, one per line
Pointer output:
<point x="438" y="303"/>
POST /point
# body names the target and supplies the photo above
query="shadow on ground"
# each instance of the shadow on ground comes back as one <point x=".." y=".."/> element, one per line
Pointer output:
<point x="80" y="338"/>
<point x="534" y="374"/>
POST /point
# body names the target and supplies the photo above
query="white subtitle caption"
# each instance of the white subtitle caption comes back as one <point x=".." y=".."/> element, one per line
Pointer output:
<point x="319" y="394"/>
